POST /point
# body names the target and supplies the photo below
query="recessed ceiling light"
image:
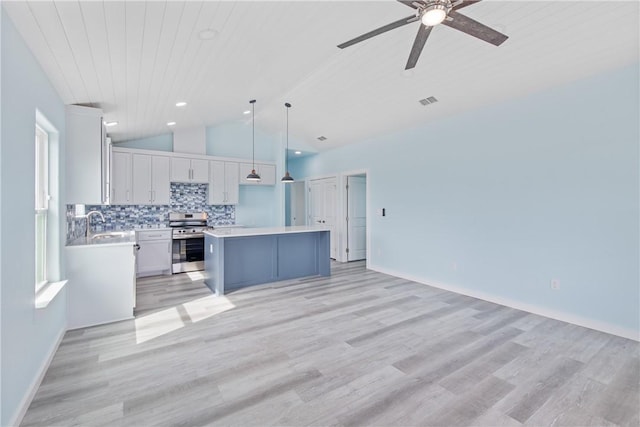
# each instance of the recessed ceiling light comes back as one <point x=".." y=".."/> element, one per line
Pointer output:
<point x="207" y="34"/>
<point x="298" y="152"/>
<point x="171" y="123"/>
<point x="181" y="104"/>
<point x="246" y="112"/>
<point x="109" y="124"/>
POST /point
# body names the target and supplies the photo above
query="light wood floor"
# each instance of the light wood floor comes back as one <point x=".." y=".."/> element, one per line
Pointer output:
<point x="358" y="348"/>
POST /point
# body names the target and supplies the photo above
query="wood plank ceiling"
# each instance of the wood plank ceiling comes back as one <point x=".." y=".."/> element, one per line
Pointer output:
<point x="136" y="59"/>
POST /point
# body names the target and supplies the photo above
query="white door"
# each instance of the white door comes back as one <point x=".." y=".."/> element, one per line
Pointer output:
<point x="356" y="218"/>
<point x="322" y="208"/>
<point x="296" y="203"/>
<point x="330" y="203"/>
<point x="316" y="202"/>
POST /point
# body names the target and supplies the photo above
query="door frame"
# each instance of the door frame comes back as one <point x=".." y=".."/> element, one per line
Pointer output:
<point x="346" y="213"/>
<point x="342" y="223"/>
<point x="341" y="209"/>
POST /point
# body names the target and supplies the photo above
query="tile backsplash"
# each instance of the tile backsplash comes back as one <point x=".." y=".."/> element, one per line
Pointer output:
<point x="184" y="198"/>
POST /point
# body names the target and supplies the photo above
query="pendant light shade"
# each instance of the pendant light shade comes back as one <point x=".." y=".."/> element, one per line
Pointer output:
<point x="253" y="176"/>
<point x="287" y="178"/>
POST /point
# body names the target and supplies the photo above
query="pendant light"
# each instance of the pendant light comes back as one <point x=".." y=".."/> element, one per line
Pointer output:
<point x="253" y="176"/>
<point x="287" y="179"/>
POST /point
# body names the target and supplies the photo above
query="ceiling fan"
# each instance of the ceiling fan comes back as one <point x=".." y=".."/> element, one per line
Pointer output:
<point x="432" y="13"/>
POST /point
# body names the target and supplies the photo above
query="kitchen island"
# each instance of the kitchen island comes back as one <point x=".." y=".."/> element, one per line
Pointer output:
<point x="239" y="257"/>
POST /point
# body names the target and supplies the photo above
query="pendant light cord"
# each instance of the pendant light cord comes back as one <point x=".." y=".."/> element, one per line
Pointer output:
<point x="253" y="135"/>
<point x="286" y="158"/>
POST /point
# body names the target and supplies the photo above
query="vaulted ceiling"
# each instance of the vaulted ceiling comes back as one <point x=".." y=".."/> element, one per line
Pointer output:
<point x="136" y="59"/>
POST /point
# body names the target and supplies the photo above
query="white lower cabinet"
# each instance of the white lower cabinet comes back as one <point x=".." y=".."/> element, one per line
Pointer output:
<point x="154" y="254"/>
<point x="101" y="287"/>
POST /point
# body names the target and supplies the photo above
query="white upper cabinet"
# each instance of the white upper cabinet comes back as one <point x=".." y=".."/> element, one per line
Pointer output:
<point x="189" y="170"/>
<point x="266" y="171"/>
<point x="150" y="179"/>
<point x="86" y="156"/>
<point x="121" y="193"/>
<point x="223" y="183"/>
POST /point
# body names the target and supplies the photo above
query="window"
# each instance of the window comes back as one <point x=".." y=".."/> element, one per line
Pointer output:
<point x="42" y="205"/>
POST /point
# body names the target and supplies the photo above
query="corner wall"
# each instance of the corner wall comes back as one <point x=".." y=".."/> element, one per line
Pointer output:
<point x="498" y="202"/>
<point x="28" y="336"/>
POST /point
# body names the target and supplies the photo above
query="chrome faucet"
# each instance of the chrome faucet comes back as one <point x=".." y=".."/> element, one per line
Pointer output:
<point x="88" y="215"/>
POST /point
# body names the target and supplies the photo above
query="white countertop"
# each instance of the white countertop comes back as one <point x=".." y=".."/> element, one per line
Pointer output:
<point x="263" y="231"/>
<point x="127" y="238"/>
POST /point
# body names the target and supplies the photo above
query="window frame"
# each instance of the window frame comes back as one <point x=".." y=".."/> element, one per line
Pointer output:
<point x="42" y="197"/>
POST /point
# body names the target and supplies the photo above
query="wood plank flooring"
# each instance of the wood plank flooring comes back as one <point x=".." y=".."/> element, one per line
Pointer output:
<point x="358" y="348"/>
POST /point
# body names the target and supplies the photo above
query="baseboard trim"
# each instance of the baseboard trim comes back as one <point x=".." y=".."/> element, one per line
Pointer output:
<point x="33" y="388"/>
<point x="534" y="309"/>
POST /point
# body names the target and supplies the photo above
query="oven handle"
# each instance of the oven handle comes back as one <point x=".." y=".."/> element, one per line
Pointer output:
<point x="188" y="236"/>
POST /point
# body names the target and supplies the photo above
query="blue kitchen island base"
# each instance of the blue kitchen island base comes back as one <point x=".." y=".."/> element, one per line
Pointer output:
<point x="235" y="258"/>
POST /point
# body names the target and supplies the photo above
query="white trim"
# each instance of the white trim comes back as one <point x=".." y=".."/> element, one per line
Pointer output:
<point x="33" y="388"/>
<point x="343" y="213"/>
<point x="48" y="292"/>
<point x="172" y="154"/>
<point x="530" y="308"/>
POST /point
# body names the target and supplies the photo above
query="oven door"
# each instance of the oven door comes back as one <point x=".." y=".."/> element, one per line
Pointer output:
<point x="187" y="254"/>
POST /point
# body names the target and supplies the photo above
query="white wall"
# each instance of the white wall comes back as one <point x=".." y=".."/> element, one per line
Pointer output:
<point x="28" y="336"/>
<point x="497" y="202"/>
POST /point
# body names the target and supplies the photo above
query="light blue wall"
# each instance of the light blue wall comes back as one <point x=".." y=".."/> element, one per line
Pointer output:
<point x="234" y="139"/>
<point x="258" y="206"/>
<point x="162" y="142"/>
<point x="515" y="195"/>
<point x="28" y="335"/>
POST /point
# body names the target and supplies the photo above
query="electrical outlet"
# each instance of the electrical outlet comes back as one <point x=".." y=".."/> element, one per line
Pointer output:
<point x="555" y="284"/>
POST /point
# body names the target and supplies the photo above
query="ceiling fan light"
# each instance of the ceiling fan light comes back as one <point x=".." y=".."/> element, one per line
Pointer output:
<point x="434" y="15"/>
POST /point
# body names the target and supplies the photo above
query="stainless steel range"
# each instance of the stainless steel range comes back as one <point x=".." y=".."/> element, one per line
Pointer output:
<point x="187" y="241"/>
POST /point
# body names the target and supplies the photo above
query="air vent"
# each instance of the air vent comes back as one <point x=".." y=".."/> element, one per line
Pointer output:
<point x="322" y="138"/>
<point x="429" y="100"/>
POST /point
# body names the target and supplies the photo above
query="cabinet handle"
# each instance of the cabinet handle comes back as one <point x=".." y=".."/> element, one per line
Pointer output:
<point x="127" y="195"/>
<point x="150" y="196"/>
<point x="154" y="195"/>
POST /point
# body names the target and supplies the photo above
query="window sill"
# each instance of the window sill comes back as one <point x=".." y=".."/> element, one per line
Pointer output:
<point x="48" y="292"/>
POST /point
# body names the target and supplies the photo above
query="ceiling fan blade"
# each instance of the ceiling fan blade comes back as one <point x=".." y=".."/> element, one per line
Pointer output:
<point x="410" y="3"/>
<point x="383" y="29"/>
<point x="463" y="3"/>
<point x="467" y="25"/>
<point x="418" y="45"/>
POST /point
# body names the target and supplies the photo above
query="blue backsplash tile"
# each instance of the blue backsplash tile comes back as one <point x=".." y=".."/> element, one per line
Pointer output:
<point x="184" y="198"/>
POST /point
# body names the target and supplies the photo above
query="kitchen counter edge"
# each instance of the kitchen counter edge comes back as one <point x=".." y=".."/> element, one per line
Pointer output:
<point x="263" y="231"/>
